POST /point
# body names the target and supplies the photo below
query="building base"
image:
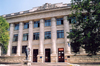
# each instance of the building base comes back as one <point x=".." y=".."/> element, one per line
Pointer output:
<point x="40" y="58"/>
<point x="53" y="57"/>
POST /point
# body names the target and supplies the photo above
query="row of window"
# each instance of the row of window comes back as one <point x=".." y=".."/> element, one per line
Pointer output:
<point x="14" y="49"/>
<point x="37" y="24"/>
<point x="60" y="34"/>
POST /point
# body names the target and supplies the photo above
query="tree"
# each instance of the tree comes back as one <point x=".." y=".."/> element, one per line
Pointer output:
<point x="85" y="20"/>
<point x="4" y="33"/>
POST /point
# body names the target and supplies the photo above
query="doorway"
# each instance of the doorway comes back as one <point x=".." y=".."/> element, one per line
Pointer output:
<point x="47" y="55"/>
<point x="60" y="54"/>
<point x="35" y="53"/>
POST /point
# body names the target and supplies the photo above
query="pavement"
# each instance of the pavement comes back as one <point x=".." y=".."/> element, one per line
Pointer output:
<point x="42" y="64"/>
<point x="51" y="64"/>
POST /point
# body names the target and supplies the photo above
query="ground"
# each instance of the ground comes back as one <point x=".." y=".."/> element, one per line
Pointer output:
<point x="52" y="64"/>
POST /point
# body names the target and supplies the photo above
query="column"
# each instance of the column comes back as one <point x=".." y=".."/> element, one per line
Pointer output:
<point x="10" y="40"/>
<point x="53" y="38"/>
<point x="67" y="41"/>
<point x="30" y="38"/>
<point x="20" y="36"/>
<point x="41" y="37"/>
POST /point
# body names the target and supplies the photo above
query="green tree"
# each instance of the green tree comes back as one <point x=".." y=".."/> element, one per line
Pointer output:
<point x="4" y="33"/>
<point x="85" y="20"/>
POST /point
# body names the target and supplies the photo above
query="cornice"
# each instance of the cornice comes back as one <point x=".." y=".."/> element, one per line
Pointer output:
<point x="47" y="7"/>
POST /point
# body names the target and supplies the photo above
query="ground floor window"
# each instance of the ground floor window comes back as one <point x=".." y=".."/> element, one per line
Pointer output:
<point x="23" y="49"/>
<point x="14" y="49"/>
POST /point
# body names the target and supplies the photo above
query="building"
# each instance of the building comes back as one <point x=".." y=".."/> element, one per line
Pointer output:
<point x="42" y="29"/>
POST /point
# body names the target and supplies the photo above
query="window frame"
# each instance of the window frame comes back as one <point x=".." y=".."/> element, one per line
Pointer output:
<point x="36" y="36"/>
<point x="47" y="33"/>
<point x="24" y="48"/>
<point x="60" y="33"/>
<point x="59" y="21"/>
<point x="47" y="23"/>
<point x="36" y="24"/>
<point x="26" y="25"/>
<point x="16" y="27"/>
<point x="25" y="37"/>
<point x="14" y="49"/>
<point x="15" y="37"/>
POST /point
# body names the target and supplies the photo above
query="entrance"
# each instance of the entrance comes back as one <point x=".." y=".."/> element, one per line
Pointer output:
<point x="47" y="55"/>
<point x="35" y="53"/>
<point x="60" y="54"/>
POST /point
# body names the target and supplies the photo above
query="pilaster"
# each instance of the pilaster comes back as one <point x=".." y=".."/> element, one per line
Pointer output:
<point x="30" y="38"/>
<point x="20" y="36"/>
<point x="53" y="38"/>
<point x="10" y="40"/>
<point x="41" y="37"/>
<point x="67" y="41"/>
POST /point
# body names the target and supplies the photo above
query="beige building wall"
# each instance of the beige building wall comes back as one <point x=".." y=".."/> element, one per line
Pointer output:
<point x="41" y="14"/>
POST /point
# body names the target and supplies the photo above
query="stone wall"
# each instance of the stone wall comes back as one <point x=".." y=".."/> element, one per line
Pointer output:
<point x="11" y="59"/>
<point x="84" y="59"/>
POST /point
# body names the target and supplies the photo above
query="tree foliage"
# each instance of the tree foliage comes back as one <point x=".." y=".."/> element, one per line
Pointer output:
<point x="4" y="33"/>
<point x="86" y="26"/>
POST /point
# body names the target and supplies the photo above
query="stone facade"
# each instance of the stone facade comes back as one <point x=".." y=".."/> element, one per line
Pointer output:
<point x="46" y="12"/>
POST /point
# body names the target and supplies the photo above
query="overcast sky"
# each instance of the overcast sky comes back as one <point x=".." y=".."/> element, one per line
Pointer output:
<point x="12" y="6"/>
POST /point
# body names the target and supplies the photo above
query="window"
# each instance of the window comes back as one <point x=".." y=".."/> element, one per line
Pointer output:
<point x="72" y="20"/>
<point x="15" y="37"/>
<point x="35" y="36"/>
<point x="60" y="21"/>
<point x="36" y="24"/>
<point x="26" y="25"/>
<point x="14" y="49"/>
<point x="25" y="37"/>
<point x="16" y="26"/>
<point x="48" y="35"/>
<point x="47" y="22"/>
<point x="60" y="33"/>
<point x="23" y="49"/>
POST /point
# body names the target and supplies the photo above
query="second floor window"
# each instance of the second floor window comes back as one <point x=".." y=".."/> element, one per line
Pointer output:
<point x="60" y="33"/>
<point x="14" y="49"/>
<point x="23" y="49"/>
<point x="48" y="35"/>
<point x="16" y="27"/>
<point x="47" y="22"/>
<point x="60" y="21"/>
<point x="35" y="36"/>
<point x="36" y="24"/>
<point x="25" y="37"/>
<point x="26" y="25"/>
<point x="15" y="37"/>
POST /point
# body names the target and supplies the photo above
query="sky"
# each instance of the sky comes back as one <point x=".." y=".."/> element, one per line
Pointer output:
<point x="13" y="6"/>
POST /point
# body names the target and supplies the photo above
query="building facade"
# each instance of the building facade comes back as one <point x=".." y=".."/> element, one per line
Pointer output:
<point x="43" y="30"/>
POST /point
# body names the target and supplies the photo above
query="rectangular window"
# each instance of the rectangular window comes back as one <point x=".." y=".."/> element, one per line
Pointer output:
<point x="25" y="37"/>
<point x="60" y="21"/>
<point x="48" y="35"/>
<point x="14" y="49"/>
<point x="60" y="33"/>
<point x="26" y="25"/>
<point x="35" y="36"/>
<point x="15" y="37"/>
<point x="16" y="27"/>
<point x="36" y="24"/>
<point x="23" y="49"/>
<point x="47" y="22"/>
<point x="72" y="20"/>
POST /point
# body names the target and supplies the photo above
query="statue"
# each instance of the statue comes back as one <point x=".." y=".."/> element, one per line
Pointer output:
<point x="27" y="50"/>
